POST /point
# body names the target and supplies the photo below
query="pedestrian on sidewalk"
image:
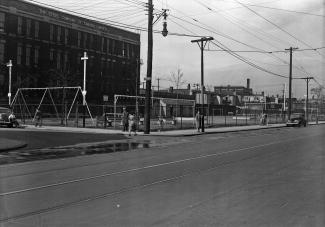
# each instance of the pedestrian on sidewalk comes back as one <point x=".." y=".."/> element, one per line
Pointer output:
<point x="198" y="121"/>
<point x="38" y="118"/>
<point x="132" y="126"/>
<point x="125" y="120"/>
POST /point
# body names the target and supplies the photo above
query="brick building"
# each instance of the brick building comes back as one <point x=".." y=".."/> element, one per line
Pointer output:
<point x="45" y="46"/>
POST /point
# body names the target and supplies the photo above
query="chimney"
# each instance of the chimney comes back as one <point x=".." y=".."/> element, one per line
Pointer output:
<point x="248" y="83"/>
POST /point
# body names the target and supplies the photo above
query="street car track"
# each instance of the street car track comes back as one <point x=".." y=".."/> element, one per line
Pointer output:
<point x="157" y="146"/>
<point x="135" y="187"/>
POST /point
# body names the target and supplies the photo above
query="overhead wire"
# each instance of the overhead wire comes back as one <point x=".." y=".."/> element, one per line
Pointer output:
<point x="277" y="26"/>
<point x="266" y="52"/>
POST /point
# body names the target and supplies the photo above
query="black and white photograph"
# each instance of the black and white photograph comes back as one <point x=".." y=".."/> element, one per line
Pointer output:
<point x="164" y="113"/>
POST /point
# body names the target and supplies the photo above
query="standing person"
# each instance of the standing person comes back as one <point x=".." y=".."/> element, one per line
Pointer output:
<point x="125" y="120"/>
<point x="198" y="121"/>
<point x="13" y="120"/>
<point x="132" y="126"/>
<point x="38" y="118"/>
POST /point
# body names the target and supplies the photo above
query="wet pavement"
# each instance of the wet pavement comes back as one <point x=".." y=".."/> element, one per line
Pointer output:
<point x="19" y="156"/>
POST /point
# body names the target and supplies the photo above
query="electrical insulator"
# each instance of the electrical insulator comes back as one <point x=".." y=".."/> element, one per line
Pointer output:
<point x="164" y="31"/>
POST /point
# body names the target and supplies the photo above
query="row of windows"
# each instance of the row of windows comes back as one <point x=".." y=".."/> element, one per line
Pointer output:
<point x="66" y="36"/>
<point x="58" y="59"/>
<point x="28" y="55"/>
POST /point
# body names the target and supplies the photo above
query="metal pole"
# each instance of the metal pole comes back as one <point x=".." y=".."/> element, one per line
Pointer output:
<point x="9" y="65"/>
<point x="149" y="68"/>
<point x="84" y="92"/>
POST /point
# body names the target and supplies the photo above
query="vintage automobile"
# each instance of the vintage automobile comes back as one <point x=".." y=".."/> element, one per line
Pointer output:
<point x="5" y="119"/>
<point x="297" y="120"/>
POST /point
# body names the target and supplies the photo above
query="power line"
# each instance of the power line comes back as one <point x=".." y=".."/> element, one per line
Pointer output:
<point x="277" y="26"/>
<point x="279" y="9"/>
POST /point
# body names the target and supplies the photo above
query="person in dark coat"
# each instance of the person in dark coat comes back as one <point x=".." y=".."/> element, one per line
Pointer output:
<point x="38" y="118"/>
<point x="198" y="121"/>
<point x="125" y="120"/>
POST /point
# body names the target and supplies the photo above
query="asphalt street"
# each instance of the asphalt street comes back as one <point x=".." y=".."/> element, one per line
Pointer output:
<point x="271" y="177"/>
<point x="40" y="138"/>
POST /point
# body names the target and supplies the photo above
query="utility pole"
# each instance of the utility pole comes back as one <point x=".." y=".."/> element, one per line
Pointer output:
<point x="284" y="97"/>
<point x="84" y="92"/>
<point x="307" y="79"/>
<point x="202" y="43"/>
<point x="290" y="81"/>
<point x="149" y="69"/>
<point x="9" y="65"/>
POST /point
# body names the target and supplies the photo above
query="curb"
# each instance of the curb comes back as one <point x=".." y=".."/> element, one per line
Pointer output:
<point x="214" y="132"/>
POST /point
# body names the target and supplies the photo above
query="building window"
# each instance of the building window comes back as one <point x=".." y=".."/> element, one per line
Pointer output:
<point x="36" y="55"/>
<point x="2" y="22"/>
<point x="28" y="55"/>
<point x="51" y="55"/>
<point x="107" y="46"/>
<point x="79" y="39"/>
<point x="36" y="29"/>
<point x="58" y="60"/>
<point x="28" y="26"/>
<point x="66" y="36"/>
<point x="51" y="32"/>
<point x="2" y="51"/>
<point x="113" y="51"/>
<point x="66" y="60"/>
<point x="20" y="26"/>
<point x="58" y="37"/>
<point x="85" y="40"/>
<point x="91" y="41"/>
<point x="102" y="44"/>
<point x="19" y="53"/>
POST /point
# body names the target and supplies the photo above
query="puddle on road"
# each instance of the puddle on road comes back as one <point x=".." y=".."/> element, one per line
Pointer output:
<point x="64" y="152"/>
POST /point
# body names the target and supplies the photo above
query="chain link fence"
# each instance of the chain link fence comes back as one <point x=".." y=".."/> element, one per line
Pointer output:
<point x="166" y="114"/>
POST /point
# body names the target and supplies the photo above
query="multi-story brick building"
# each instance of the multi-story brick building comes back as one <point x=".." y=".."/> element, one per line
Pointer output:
<point x="45" y="46"/>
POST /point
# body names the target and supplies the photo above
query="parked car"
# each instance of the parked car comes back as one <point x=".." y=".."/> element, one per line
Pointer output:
<point x="297" y="120"/>
<point x="7" y="120"/>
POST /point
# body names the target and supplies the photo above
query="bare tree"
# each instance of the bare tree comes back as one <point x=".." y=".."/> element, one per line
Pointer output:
<point x="177" y="80"/>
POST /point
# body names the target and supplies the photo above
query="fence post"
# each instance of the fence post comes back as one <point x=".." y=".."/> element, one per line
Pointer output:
<point x="77" y="113"/>
<point x="246" y="115"/>
<point x="236" y="117"/>
<point x="65" y="113"/>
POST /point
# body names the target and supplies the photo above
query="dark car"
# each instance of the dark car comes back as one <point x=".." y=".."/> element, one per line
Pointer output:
<point x="7" y="120"/>
<point x="297" y="120"/>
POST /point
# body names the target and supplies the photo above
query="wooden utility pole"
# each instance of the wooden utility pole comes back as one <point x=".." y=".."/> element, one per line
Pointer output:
<point x="202" y="43"/>
<point x="307" y="79"/>
<point x="290" y="82"/>
<point x="149" y="69"/>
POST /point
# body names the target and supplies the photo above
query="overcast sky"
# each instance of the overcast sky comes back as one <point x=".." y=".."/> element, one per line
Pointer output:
<point x="239" y="25"/>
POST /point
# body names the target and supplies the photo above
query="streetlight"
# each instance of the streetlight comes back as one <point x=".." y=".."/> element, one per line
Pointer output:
<point x="9" y="65"/>
<point x="84" y="92"/>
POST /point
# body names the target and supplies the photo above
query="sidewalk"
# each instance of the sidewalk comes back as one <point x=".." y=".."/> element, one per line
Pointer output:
<point x="6" y="144"/>
<point x="181" y="132"/>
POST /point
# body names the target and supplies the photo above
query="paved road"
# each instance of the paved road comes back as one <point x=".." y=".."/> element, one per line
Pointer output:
<point x="40" y="138"/>
<point x="273" y="177"/>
